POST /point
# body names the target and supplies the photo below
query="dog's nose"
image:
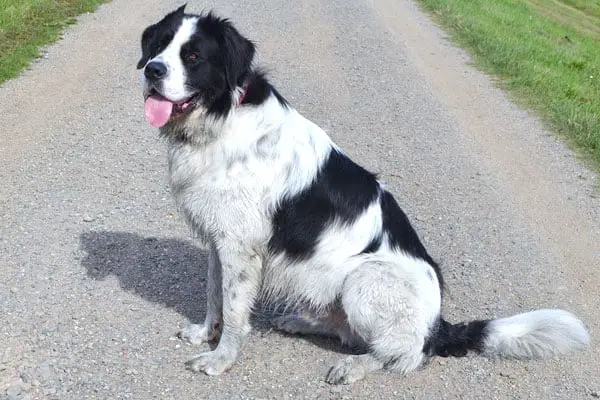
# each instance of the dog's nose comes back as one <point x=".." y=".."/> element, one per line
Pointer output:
<point x="155" y="70"/>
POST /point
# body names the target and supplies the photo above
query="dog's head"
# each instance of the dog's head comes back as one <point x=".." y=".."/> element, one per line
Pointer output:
<point x="191" y="61"/>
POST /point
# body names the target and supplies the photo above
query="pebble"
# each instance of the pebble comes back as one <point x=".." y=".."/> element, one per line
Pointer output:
<point x="88" y="218"/>
<point x="46" y="373"/>
<point x="507" y="375"/>
<point x="14" y="391"/>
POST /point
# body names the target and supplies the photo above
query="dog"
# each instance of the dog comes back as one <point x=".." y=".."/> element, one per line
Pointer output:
<point x="288" y="216"/>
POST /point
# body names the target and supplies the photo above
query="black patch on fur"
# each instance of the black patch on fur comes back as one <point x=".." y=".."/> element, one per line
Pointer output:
<point x="224" y="62"/>
<point x="342" y="190"/>
<point x="157" y="37"/>
<point x="258" y="89"/>
<point x="446" y="339"/>
<point x="401" y="234"/>
<point x="373" y="246"/>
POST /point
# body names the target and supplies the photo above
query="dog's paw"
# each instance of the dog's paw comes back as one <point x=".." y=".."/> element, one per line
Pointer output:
<point x="199" y="333"/>
<point x="211" y="362"/>
<point x="346" y="371"/>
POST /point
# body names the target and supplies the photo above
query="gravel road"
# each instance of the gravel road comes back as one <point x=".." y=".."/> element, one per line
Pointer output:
<point x="98" y="271"/>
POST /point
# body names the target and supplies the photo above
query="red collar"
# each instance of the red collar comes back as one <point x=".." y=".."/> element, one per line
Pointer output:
<point x="241" y="99"/>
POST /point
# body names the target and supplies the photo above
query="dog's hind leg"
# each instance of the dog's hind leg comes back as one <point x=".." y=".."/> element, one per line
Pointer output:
<point x="353" y="368"/>
<point x="390" y="305"/>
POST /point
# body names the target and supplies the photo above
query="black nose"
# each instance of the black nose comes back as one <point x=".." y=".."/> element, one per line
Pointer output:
<point x="155" y="70"/>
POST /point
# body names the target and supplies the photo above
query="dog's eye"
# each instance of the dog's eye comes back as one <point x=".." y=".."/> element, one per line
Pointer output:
<point x="191" y="57"/>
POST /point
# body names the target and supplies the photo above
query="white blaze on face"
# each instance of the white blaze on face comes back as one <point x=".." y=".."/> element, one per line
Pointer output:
<point x="173" y="84"/>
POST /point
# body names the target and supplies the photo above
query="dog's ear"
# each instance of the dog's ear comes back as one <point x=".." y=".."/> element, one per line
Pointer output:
<point x="142" y="62"/>
<point x="177" y="13"/>
<point x="148" y="35"/>
<point x="147" y="38"/>
<point x="237" y="52"/>
<point x="238" y="56"/>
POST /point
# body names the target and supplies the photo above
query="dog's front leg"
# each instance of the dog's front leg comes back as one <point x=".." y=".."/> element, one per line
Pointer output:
<point x="241" y="277"/>
<point x="210" y="330"/>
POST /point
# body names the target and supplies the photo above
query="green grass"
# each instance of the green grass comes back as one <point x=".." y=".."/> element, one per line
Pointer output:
<point x="546" y="52"/>
<point x="26" y="25"/>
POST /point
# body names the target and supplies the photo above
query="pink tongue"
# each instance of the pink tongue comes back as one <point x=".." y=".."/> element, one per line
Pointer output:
<point x="158" y="111"/>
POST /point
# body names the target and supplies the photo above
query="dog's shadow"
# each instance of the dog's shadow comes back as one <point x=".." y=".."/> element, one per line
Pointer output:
<point x="170" y="272"/>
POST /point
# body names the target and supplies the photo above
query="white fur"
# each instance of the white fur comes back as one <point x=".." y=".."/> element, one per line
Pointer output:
<point x="535" y="334"/>
<point x="245" y="164"/>
<point x="391" y="303"/>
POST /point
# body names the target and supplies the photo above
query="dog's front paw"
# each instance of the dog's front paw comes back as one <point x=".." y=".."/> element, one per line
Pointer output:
<point x="198" y="334"/>
<point x="211" y="362"/>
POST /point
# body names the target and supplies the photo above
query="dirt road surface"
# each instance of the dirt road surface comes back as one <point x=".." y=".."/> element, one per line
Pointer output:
<point x="98" y="271"/>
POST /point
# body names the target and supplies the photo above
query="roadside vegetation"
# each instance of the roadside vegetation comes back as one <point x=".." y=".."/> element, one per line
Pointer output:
<point x="546" y="52"/>
<point x="26" y="25"/>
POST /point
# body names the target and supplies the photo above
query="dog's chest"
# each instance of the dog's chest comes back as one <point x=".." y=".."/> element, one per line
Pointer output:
<point x="221" y="194"/>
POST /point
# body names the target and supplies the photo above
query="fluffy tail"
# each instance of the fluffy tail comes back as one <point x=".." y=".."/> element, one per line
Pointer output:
<point x="531" y="335"/>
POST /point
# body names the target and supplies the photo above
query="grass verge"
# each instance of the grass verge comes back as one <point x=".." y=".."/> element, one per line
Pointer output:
<point x="546" y="52"/>
<point x="26" y="25"/>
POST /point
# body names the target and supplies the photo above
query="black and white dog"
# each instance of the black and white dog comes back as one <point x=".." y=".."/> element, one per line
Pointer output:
<point x="287" y="215"/>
